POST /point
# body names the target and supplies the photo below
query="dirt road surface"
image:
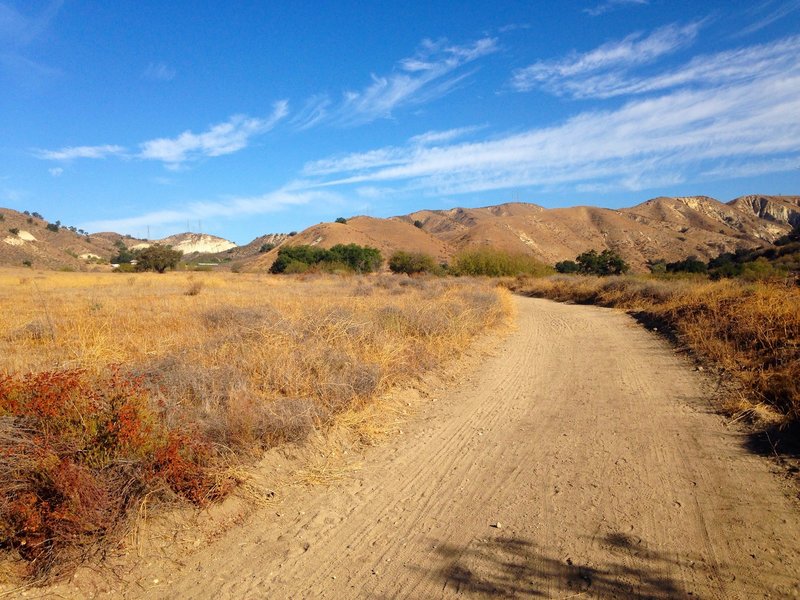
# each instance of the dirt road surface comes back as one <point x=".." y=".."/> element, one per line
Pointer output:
<point x="581" y="459"/>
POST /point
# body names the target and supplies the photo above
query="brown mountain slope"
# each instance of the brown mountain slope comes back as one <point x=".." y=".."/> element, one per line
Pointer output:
<point x="671" y="228"/>
<point x="781" y="209"/>
<point x="26" y="240"/>
<point x="388" y="235"/>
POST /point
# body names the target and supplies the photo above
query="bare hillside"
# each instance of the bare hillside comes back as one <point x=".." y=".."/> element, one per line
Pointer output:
<point x="670" y="228"/>
<point x="388" y="235"/>
<point x="32" y="241"/>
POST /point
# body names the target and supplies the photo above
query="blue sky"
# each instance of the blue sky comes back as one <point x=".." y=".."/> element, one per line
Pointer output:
<point x="253" y="117"/>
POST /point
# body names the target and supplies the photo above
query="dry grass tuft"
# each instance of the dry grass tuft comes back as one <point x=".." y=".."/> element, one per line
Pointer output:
<point x="253" y="362"/>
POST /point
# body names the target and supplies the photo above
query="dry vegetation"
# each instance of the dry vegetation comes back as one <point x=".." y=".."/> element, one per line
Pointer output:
<point x="751" y="331"/>
<point x="115" y="388"/>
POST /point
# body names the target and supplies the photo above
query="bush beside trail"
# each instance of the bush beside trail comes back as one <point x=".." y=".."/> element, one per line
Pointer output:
<point x="497" y="263"/>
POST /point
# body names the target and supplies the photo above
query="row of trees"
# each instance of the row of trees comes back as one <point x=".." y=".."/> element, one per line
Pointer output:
<point x="604" y="263"/>
<point x="347" y="257"/>
<point x="364" y="259"/>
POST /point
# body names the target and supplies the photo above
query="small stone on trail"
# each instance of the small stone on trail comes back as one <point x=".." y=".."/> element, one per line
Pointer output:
<point x="497" y="525"/>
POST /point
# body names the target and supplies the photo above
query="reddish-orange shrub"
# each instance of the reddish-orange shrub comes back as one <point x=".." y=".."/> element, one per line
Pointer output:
<point x="78" y="451"/>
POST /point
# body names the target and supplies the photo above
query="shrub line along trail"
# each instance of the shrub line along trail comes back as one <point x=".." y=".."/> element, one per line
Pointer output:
<point x="580" y="459"/>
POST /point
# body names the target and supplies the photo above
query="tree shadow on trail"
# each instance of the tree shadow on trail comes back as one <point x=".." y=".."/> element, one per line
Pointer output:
<point x="509" y="567"/>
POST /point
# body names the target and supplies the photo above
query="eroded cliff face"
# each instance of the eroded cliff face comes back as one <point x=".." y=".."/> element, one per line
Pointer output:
<point x="780" y="209"/>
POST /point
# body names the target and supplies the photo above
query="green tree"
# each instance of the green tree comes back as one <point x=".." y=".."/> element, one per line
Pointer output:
<point x="418" y="224"/>
<point x="157" y="258"/>
<point x="123" y="255"/>
<point x="607" y="262"/>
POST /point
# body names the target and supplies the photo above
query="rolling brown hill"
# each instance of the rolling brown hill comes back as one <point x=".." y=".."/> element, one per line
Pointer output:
<point x="26" y="240"/>
<point x="664" y="227"/>
<point x="388" y="235"/>
<point x="671" y="228"/>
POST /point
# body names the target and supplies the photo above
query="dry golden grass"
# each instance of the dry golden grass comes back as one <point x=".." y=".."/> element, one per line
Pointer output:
<point x="242" y="362"/>
<point x="750" y="330"/>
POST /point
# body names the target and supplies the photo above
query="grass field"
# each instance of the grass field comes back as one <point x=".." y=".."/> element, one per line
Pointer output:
<point x="117" y="387"/>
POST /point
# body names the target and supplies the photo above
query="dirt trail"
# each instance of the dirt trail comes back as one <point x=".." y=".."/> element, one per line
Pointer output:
<point x="591" y="445"/>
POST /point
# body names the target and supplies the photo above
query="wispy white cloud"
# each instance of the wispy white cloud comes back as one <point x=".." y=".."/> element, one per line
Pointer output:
<point x="568" y="75"/>
<point x="431" y="73"/>
<point x="159" y="72"/>
<point x="73" y="152"/>
<point x="752" y="168"/>
<point x="723" y="68"/>
<point x="223" y="138"/>
<point x="56" y="171"/>
<point x="438" y="137"/>
<point x="278" y="200"/>
<point x="19" y="30"/>
<point x="610" y="5"/>
<point x="514" y="27"/>
<point x="674" y="137"/>
<point x="17" y="33"/>
<point x="12" y="195"/>
<point x="372" y="192"/>
<point x="314" y="111"/>
<point x="775" y="13"/>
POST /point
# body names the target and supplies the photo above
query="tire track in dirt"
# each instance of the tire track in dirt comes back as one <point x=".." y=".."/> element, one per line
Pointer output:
<point x="591" y="444"/>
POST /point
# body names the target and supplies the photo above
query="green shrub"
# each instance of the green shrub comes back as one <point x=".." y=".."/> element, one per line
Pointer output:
<point x="14" y="230"/>
<point x="497" y="263"/>
<point x="567" y="266"/>
<point x="362" y="259"/>
<point x="266" y="247"/>
<point x="412" y="262"/>
<point x="690" y="264"/>
<point x="342" y="220"/>
<point x="54" y="227"/>
<point x="418" y="224"/>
